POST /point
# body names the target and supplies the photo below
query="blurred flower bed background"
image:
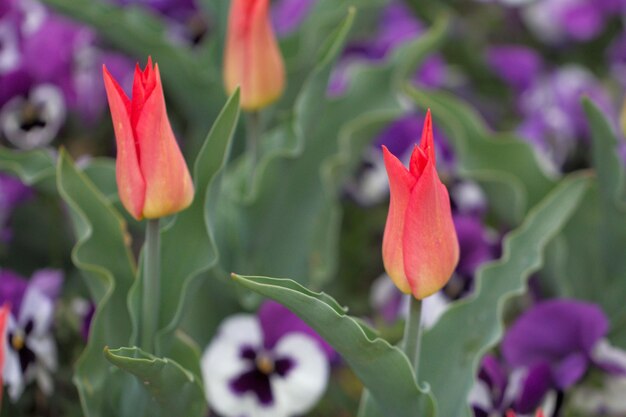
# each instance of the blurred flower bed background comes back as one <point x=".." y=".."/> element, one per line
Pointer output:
<point x="504" y="80"/>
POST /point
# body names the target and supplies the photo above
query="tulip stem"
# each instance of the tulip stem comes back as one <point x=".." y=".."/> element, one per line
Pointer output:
<point x="151" y="285"/>
<point x="413" y="334"/>
<point x="253" y="134"/>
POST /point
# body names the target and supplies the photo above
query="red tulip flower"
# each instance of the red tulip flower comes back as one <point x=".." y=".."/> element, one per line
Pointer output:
<point x="420" y="246"/>
<point x="5" y="310"/>
<point x="252" y="59"/>
<point x="152" y="176"/>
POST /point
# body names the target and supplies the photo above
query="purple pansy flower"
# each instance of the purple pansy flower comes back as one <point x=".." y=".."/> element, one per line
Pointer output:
<point x="497" y="391"/>
<point x="556" y="21"/>
<point x="49" y="65"/>
<point x="518" y="65"/>
<point x="268" y="365"/>
<point x="554" y="343"/>
<point x="30" y="349"/>
<point x="549" y="102"/>
<point x="554" y="119"/>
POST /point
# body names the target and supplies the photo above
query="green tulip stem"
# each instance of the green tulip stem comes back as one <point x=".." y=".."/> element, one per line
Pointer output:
<point x="413" y="334"/>
<point x="253" y="134"/>
<point x="151" y="285"/>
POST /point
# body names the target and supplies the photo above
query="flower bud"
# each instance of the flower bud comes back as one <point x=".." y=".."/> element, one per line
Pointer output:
<point x="152" y="176"/>
<point x="252" y="59"/>
<point x="420" y="246"/>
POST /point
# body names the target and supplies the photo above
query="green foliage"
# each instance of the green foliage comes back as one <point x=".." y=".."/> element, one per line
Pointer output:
<point x="103" y="256"/>
<point x="34" y="168"/>
<point x="475" y="324"/>
<point x="587" y="261"/>
<point x="287" y="225"/>
<point x="384" y="369"/>
<point x="451" y="350"/>
<point x="505" y="166"/>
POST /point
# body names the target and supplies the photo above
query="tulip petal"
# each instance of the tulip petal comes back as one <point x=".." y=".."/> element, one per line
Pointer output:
<point x="252" y="58"/>
<point x="130" y="181"/>
<point x="169" y="187"/>
<point x="429" y="242"/>
<point x="400" y="184"/>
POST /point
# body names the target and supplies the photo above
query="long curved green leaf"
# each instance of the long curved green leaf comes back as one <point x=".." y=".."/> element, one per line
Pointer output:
<point x="102" y="255"/>
<point x="451" y="350"/>
<point x="384" y="369"/>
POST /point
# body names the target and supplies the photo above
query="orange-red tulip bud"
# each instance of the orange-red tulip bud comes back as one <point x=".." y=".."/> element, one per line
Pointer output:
<point x="4" y="321"/>
<point x="252" y="59"/>
<point x="152" y="176"/>
<point x="420" y="246"/>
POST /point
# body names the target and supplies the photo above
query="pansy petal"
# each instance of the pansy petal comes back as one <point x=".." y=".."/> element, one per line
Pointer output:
<point x="278" y="321"/>
<point x="610" y="358"/>
<point x="49" y="282"/>
<point x="39" y="309"/>
<point x="12" y="375"/>
<point x="534" y="387"/>
<point x="552" y="330"/>
<point x="301" y="388"/>
<point x="569" y="371"/>
<point x="222" y="361"/>
<point x="45" y="351"/>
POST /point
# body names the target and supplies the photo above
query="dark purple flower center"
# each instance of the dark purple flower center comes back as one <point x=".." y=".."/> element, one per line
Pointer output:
<point x="31" y="117"/>
<point x="256" y="379"/>
<point x="17" y="342"/>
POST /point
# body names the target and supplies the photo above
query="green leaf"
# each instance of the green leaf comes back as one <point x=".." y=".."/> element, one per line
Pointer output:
<point x="452" y="350"/>
<point x="383" y="369"/>
<point x="101" y="171"/>
<point x="506" y="167"/>
<point x="588" y="261"/>
<point x="102" y="255"/>
<point x="177" y="391"/>
<point x="36" y="168"/>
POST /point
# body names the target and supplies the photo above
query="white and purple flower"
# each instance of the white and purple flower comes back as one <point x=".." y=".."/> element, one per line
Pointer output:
<point x="548" y="101"/>
<point x="557" y="21"/>
<point x="29" y="345"/>
<point x="49" y="66"/>
<point x="268" y="365"/>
